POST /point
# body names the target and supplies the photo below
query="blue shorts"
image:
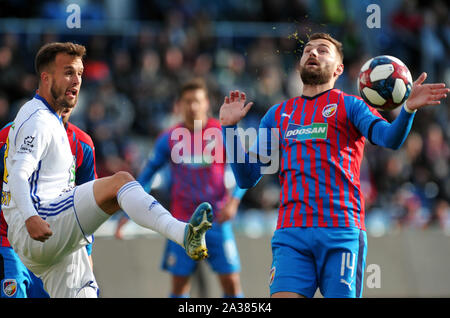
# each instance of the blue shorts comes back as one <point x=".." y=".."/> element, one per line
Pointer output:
<point x="16" y="280"/>
<point x="331" y="259"/>
<point x="222" y="251"/>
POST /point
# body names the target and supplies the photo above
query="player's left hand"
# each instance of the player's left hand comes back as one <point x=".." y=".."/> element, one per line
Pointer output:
<point x="228" y="211"/>
<point x="426" y="94"/>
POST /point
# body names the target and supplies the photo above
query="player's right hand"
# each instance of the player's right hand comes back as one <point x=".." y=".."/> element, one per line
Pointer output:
<point x="38" y="228"/>
<point x="233" y="108"/>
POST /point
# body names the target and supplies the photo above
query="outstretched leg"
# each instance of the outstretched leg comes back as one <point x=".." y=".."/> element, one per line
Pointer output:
<point x="122" y="191"/>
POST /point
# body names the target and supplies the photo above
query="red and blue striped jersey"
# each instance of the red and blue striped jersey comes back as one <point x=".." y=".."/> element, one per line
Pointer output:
<point x="200" y="175"/>
<point x="83" y="150"/>
<point x="3" y="225"/>
<point x="321" y="141"/>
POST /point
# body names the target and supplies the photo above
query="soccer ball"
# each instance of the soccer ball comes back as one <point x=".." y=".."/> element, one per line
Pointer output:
<point x="384" y="82"/>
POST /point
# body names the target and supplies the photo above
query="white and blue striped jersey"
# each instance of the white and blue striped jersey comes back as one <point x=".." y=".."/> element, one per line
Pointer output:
<point x="38" y="144"/>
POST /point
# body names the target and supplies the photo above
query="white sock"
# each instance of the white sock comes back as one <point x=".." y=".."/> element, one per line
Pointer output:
<point x="143" y="209"/>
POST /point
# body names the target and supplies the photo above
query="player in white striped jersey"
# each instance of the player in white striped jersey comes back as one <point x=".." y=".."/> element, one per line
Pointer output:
<point x="49" y="218"/>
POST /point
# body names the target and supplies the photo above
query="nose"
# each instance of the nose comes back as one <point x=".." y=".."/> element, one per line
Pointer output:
<point x="313" y="52"/>
<point x="76" y="80"/>
<point x="193" y="106"/>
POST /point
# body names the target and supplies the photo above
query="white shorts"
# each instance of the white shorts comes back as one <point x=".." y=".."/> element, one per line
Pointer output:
<point x="61" y="262"/>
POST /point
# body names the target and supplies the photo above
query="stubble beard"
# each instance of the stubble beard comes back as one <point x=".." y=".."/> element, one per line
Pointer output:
<point x="60" y="99"/>
<point x="316" y="76"/>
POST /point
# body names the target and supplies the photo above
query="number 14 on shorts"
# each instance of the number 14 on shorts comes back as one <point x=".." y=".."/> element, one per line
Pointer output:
<point x="348" y="262"/>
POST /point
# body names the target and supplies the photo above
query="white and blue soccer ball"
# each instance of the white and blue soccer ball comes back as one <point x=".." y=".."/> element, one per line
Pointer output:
<point x="384" y="82"/>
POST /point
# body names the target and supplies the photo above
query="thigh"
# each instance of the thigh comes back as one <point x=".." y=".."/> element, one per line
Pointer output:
<point x="71" y="277"/>
<point x="73" y="217"/>
<point x="293" y="266"/>
<point x="67" y="236"/>
<point x="341" y="260"/>
<point x="87" y="212"/>
<point x="222" y="249"/>
<point x="176" y="261"/>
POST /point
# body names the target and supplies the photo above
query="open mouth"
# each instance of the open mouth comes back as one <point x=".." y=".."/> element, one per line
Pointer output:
<point x="72" y="92"/>
<point x="312" y="63"/>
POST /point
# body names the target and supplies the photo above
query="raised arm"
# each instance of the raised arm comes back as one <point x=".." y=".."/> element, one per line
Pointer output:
<point x="246" y="167"/>
<point x="392" y="135"/>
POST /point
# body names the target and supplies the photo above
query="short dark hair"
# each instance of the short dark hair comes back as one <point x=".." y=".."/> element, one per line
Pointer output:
<point x="328" y="37"/>
<point x="193" y="84"/>
<point x="47" y="53"/>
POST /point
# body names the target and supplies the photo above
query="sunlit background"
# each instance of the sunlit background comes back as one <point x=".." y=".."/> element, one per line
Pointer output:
<point x="138" y="54"/>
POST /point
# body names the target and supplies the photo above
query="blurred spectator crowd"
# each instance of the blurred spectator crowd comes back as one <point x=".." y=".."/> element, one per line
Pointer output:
<point x="131" y="81"/>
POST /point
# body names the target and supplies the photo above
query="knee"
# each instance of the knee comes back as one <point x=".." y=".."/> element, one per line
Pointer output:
<point x="123" y="177"/>
<point x="120" y="178"/>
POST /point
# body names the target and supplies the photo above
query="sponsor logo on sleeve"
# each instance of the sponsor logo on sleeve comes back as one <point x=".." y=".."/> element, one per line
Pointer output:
<point x="27" y="145"/>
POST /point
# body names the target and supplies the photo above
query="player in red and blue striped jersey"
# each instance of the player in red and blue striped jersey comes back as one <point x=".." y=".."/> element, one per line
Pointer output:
<point x="320" y="241"/>
<point x="197" y="175"/>
<point x="15" y="279"/>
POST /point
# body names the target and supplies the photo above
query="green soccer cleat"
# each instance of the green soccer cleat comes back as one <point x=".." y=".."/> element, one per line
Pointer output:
<point x="194" y="235"/>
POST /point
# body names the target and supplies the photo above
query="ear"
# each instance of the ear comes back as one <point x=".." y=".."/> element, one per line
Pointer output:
<point x="45" y="77"/>
<point x="339" y="70"/>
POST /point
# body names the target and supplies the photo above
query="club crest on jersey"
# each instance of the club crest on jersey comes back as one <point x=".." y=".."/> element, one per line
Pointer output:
<point x="9" y="287"/>
<point x="271" y="275"/>
<point x="329" y="110"/>
<point x="313" y="131"/>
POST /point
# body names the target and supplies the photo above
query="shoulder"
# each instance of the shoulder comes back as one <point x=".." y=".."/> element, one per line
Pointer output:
<point x="34" y="118"/>
<point x="79" y="134"/>
<point x="167" y="132"/>
<point x="35" y="114"/>
<point x="213" y="123"/>
<point x="273" y="114"/>
<point x="285" y="105"/>
<point x="352" y="98"/>
<point x="357" y="107"/>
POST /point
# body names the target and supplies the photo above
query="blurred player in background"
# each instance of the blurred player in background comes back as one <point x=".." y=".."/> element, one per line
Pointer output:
<point x="16" y="280"/>
<point x="49" y="218"/>
<point x="191" y="184"/>
<point x="320" y="239"/>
